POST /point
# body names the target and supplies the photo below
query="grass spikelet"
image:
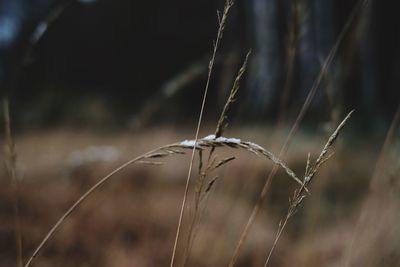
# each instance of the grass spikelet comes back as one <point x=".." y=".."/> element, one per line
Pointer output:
<point x="299" y="194"/>
<point x="208" y="142"/>
<point x="200" y="193"/>
<point x="222" y="124"/>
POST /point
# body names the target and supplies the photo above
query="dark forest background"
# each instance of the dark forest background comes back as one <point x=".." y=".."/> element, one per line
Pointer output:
<point x="93" y="83"/>
<point x="127" y="63"/>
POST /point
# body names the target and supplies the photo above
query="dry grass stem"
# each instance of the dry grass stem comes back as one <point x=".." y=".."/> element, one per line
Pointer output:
<point x="200" y="193"/>
<point x="165" y="151"/>
<point x="11" y="168"/>
<point x="149" y="155"/>
<point x="300" y="194"/>
<point x="222" y="22"/>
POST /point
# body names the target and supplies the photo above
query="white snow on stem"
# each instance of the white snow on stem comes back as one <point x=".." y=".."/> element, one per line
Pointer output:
<point x="188" y="143"/>
<point x="228" y="140"/>
<point x="209" y="137"/>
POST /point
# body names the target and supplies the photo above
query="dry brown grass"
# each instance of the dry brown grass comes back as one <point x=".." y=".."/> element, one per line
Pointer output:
<point x="130" y="222"/>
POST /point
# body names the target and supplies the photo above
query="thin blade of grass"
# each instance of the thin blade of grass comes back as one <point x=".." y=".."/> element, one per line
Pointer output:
<point x="222" y="21"/>
<point x="11" y="167"/>
<point x="221" y="125"/>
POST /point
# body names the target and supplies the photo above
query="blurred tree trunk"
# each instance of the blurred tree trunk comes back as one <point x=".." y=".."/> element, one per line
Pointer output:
<point x="361" y="74"/>
<point x="315" y="41"/>
<point x="265" y="73"/>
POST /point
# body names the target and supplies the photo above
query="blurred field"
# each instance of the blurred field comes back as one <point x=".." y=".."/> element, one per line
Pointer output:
<point x="122" y="74"/>
<point x="131" y="221"/>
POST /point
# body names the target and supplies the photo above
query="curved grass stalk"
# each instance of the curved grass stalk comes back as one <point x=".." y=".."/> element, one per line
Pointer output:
<point x="208" y="142"/>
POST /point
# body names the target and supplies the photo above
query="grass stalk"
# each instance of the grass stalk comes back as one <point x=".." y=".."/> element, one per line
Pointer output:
<point x="81" y="199"/>
<point x="300" y="194"/>
<point x="162" y="152"/>
<point x="222" y="22"/>
<point x="11" y="168"/>
<point x="200" y="191"/>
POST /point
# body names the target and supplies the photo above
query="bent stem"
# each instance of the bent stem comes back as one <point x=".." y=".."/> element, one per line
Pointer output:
<point x="162" y="152"/>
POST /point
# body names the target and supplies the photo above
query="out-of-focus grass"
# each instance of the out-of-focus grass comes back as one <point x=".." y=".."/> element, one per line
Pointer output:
<point x="131" y="220"/>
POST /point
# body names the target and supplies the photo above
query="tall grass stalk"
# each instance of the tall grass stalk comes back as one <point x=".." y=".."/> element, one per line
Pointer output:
<point x="222" y="22"/>
<point x="202" y="192"/>
<point x="293" y="130"/>
<point x="11" y="168"/>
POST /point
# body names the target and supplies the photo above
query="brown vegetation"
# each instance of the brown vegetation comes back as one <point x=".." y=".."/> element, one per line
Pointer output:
<point x="232" y="214"/>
